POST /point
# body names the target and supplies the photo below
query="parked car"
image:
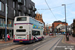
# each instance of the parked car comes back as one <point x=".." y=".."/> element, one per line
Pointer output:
<point x="50" y="34"/>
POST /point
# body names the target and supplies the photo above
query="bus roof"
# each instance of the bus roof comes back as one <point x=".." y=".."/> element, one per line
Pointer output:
<point x="29" y="17"/>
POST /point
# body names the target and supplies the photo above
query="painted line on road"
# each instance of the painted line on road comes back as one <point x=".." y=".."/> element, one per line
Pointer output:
<point x="54" y="46"/>
<point x="43" y="44"/>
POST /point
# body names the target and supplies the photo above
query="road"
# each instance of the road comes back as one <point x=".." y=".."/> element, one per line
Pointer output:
<point x="49" y="43"/>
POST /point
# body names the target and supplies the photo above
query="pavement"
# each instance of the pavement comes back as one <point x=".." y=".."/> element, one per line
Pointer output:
<point x="71" y="40"/>
<point x="2" y="42"/>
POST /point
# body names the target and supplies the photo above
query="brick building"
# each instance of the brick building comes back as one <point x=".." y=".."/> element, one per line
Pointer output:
<point x="56" y="23"/>
<point x="39" y="18"/>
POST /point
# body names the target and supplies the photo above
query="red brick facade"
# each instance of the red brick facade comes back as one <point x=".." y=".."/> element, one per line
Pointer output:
<point x="56" y="23"/>
<point x="39" y="18"/>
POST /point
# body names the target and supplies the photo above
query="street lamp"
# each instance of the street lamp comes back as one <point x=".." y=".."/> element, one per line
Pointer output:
<point x="5" y="20"/>
<point x="67" y="37"/>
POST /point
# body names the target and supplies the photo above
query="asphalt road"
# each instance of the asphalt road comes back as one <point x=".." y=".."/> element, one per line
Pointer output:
<point x="48" y="43"/>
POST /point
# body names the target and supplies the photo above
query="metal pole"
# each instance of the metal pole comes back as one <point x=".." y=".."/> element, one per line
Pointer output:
<point x="5" y="20"/>
<point x="65" y="20"/>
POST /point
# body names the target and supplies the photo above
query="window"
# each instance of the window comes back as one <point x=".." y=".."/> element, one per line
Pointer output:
<point x="1" y="6"/>
<point x="29" y="11"/>
<point x="22" y="19"/>
<point x="18" y="6"/>
<point x="18" y="30"/>
<point x="19" y="0"/>
<point x="24" y="14"/>
<point x="35" y="32"/>
<point x="1" y="22"/>
<point x="24" y="2"/>
<point x="19" y="13"/>
<point x="9" y="23"/>
<point x="14" y="12"/>
<point x="33" y="7"/>
<point x="13" y="4"/>
<point x="7" y="10"/>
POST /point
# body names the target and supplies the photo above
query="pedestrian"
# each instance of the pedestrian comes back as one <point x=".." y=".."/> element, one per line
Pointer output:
<point x="3" y="36"/>
<point x="8" y="36"/>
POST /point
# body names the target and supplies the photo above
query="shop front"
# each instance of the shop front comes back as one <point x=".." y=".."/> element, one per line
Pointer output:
<point x="9" y="27"/>
<point x="2" y="32"/>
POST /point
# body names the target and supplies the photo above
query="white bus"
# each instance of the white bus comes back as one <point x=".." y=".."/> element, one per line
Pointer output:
<point x="27" y="29"/>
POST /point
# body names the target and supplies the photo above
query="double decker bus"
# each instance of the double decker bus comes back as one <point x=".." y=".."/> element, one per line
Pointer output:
<point x="27" y="29"/>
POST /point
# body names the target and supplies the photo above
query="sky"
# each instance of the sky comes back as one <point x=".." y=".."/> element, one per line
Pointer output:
<point x="57" y="9"/>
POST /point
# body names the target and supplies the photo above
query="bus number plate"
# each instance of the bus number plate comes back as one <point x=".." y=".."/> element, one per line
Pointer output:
<point x="20" y="41"/>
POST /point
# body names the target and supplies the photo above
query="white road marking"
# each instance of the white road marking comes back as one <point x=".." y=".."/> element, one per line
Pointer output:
<point x="25" y="48"/>
<point x="56" y="45"/>
<point x="42" y="44"/>
<point x="69" y="48"/>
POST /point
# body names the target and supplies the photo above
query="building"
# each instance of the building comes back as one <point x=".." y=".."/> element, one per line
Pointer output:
<point x="73" y="28"/>
<point x="14" y="8"/>
<point x="56" y="23"/>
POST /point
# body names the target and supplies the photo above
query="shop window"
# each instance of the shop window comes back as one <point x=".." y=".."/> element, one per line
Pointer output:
<point x="1" y="22"/>
<point x="9" y="23"/>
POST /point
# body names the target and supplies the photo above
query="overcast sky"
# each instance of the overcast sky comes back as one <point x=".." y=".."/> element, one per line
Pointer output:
<point x="57" y="9"/>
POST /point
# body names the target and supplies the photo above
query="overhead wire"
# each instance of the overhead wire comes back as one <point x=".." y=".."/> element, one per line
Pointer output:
<point x="57" y="6"/>
<point x="50" y="9"/>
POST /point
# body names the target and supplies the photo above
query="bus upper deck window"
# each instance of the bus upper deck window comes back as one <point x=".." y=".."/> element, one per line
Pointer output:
<point x="22" y="19"/>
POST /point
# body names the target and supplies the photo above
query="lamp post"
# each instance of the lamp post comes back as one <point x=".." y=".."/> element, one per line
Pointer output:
<point x="5" y="20"/>
<point x="67" y="36"/>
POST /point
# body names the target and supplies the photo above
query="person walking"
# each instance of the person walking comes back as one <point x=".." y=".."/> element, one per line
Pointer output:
<point x="8" y="36"/>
